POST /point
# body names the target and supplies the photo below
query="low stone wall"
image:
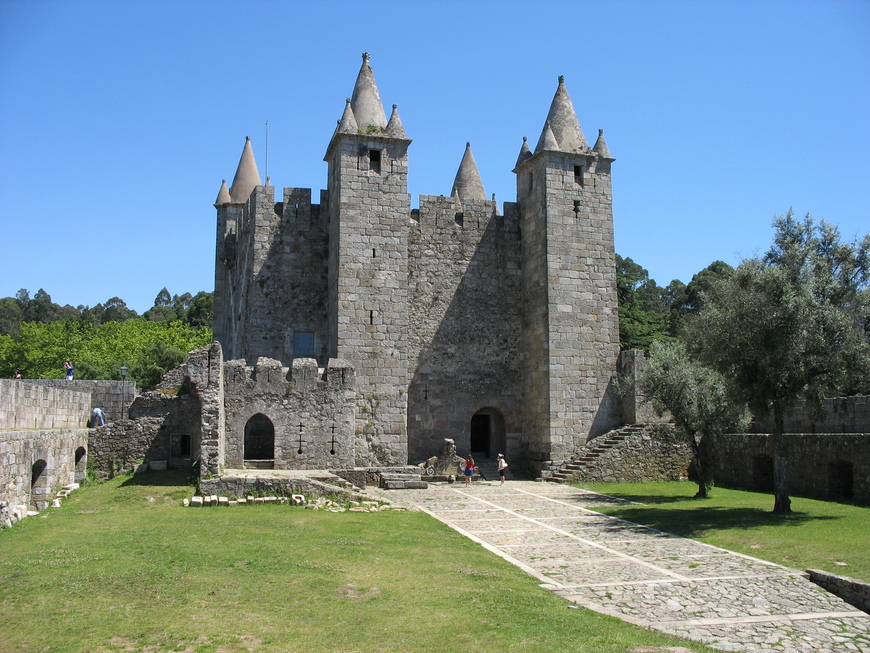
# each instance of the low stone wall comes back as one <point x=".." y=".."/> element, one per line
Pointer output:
<point x="35" y="464"/>
<point x="657" y="453"/>
<point x="280" y="486"/>
<point x="829" y="466"/>
<point x="123" y="444"/>
<point x="854" y="592"/>
<point x="29" y="405"/>
<point x="114" y="397"/>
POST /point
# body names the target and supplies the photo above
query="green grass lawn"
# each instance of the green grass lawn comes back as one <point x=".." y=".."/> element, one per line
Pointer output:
<point x="817" y="535"/>
<point x="124" y="567"/>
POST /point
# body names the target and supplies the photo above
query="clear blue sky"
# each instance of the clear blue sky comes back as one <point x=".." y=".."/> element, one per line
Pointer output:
<point x="119" y="119"/>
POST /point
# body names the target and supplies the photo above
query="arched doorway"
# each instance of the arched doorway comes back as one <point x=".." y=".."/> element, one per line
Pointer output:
<point x="39" y="488"/>
<point x="841" y="479"/>
<point x="81" y="464"/>
<point x="487" y="432"/>
<point x="762" y="473"/>
<point x="260" y="442"/>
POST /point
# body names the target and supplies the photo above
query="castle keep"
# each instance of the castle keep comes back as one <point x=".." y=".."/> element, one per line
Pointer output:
<point x="374" y="330"/>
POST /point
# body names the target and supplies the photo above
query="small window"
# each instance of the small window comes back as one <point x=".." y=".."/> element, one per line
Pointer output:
<point x="375" y="160"/>
<point x="577" y="208"/>
<point x="303" y="344"/>
<point x="578" y="174"/>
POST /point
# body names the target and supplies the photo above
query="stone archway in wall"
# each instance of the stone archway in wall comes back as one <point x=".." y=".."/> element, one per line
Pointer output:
<point x="487" y="432"/>
<point x="259" y="443"/>
<point x="39" y="485"/>
<point x="81" y="465"/>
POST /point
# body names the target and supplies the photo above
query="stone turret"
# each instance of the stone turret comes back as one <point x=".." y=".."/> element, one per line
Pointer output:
<point x="571" y="330"/>
<point x="367" y="305"/>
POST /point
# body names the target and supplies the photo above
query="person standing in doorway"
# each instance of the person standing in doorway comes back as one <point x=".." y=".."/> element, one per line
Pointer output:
<point x="469" y="470"/>
<point x="502" y="465"/>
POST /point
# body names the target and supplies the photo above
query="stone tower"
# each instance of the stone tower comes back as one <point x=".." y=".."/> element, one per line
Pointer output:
<point x="369" y="209"/>
<point x="570" y="320"/>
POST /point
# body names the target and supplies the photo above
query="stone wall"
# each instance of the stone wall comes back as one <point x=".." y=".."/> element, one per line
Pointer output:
<point x="657" y="453"/>
<point x="123" y="444"/>
<point x="839" y="415"/>
<point x="832" y="466"/>
<point x="464" y="303"/>
<point x="635" y="407"/>
<point x="307" y="413"/>
<point x="852" y="591"/>
<point x="114" y="397"/>
<point x="27" y="404"/>
<point x="35" y="464"/>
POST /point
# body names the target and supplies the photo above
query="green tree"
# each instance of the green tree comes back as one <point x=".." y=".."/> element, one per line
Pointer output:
<point x="695" y="396"/>
<point x="688" y="300"/>
<point x="642" y="306"/>
<point x="10" y="316"/>
<point x="201" y="311"/>
<point x="788" y="326"/>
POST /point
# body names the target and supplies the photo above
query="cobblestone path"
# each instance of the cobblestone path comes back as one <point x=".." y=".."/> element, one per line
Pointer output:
<point x="727" y="600"/>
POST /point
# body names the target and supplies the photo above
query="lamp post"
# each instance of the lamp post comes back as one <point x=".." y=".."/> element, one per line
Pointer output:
<point x="124" y="372"/>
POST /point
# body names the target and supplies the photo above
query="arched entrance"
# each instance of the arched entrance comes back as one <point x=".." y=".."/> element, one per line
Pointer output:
<point x="81" y="465"/>
<point x="260" y="443"/>
<point x="487" y="432"/>
<point x="39" y="488"/>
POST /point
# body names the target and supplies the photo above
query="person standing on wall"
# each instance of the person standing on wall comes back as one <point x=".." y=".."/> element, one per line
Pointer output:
<point x="469" y="470"/>
<point x="502" y="465"/>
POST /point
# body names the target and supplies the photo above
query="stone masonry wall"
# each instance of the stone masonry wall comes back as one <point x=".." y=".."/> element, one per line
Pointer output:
<point x="369" y="207"/>
<point x="840" y="415"/>
<point x="35" y="464"/>
<point x="820" y="465"/>
<point x="114" y="397"/>
<point x="463" y="350"/>
<point x="311" y="413"/>
<point x="658" y="453"/>
<point x="28" y="405"/>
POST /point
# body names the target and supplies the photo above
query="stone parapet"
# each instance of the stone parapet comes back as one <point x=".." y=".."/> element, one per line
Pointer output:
<point x="32" y="405"/>
<point x="854" y="592"/>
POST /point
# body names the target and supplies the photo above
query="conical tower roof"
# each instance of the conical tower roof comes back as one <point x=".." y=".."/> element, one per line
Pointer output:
<point x="564" y="124"/>
<point x="525" y="152"/>
<point x="547" y="141"/>
<point x="395" y="127"/>
<point x="223" y="194"/>
<point x="347" y="124"/>
<point x="467" y="185"/>
<point x="601" y="146"/>
<point x="247" y="176"/>
<point x="366" y="101"/>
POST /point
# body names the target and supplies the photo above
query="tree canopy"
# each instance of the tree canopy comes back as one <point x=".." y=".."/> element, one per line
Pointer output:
<point x="790" y="325"/>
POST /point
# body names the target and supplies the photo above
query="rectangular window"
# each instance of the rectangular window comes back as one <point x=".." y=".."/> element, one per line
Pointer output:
<point x="303" y="344"/>
<point x="375" y="161"/>
<point x="578" y="174"/>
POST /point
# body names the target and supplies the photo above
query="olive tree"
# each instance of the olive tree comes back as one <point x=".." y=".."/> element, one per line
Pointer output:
<point x="789" y="326"/>
<point x="695" y="396"/>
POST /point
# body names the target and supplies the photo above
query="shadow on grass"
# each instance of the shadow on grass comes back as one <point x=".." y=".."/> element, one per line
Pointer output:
<point x="697" y="520"/>
<point x="169" y="478"/>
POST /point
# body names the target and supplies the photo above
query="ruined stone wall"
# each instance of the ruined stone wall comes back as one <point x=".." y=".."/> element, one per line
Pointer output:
<point x="114" y="397"/>
<point x="311" y="412"/>
<point x="832" y="466"/>
<point x="123" y="444"/>
<point x="26" y="404"/>
<point x="635" y="407"/>
<point x="35" y="464"/>
<point x="465" y="315"/>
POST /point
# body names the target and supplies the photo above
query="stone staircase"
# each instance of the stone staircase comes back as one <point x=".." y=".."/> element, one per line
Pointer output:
<point x="573" y="471"/>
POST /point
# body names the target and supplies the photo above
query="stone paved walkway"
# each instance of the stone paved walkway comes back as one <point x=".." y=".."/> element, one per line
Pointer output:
<point x="727" y="600"/>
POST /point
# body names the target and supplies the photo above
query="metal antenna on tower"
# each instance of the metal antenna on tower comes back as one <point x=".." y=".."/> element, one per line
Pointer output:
<point x="267" y="152"/>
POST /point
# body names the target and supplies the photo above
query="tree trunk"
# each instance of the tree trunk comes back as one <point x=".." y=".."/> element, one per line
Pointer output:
<point x="699" y="467"/>
<point x="781" y="502"/>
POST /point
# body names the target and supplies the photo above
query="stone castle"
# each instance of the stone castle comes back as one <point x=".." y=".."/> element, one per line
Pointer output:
<point x="359" y="331"/>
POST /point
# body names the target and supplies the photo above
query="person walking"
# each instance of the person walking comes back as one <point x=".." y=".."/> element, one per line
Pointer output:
<point x="469" y="470"/>
<point x="502" y="465"/>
